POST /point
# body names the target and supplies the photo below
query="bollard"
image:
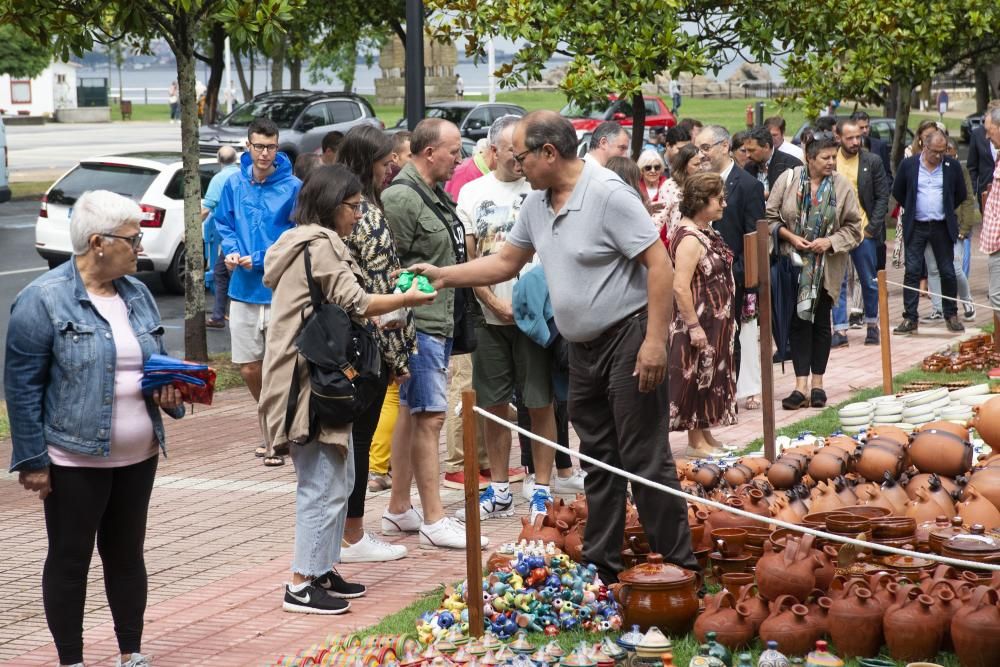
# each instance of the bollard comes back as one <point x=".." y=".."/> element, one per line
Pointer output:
<point x="885" y="334"/>
<point x="473" y="552"/>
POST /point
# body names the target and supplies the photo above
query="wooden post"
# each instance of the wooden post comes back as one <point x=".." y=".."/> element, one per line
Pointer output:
<point x="885" y="334"/>
<point x="763" y="271"/>
<point x="473" y="552"/>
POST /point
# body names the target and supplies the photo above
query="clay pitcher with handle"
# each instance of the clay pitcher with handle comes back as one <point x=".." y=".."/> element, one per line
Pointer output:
<point x="912" y="630"/>
<point x="975" y="629"/>
<point x="789" y="625"/>
<point x="856" y="622"/>
<point x="729" y="621"/>
<point x="791" y="572"/>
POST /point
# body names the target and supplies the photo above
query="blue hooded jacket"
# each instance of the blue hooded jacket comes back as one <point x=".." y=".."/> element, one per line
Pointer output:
<point x="250" y="217"/>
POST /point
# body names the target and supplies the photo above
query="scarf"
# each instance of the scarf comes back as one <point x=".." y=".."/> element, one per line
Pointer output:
<point x="815" y="221"/>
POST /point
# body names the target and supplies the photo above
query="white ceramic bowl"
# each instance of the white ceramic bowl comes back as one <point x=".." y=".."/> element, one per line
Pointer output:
<point x="887" y="419"/>
<point x="856" y="410"/>
<point x="926" y="398"/>
<point x="856" y="421"/>
<point x="974" y="390"/>
<point x="889" y="409"/>
<point x="978" y="399"/>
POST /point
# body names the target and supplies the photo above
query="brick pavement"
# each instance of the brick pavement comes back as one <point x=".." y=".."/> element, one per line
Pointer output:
<point x="221" y="527"/>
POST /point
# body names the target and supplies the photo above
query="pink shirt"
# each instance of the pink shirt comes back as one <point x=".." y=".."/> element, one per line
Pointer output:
<point x="132" y="439"/>
<point x="473" y="168"/>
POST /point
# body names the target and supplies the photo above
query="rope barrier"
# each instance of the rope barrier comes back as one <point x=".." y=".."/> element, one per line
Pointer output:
<point x="955" y="562"/>
<point x="942" y="296"/>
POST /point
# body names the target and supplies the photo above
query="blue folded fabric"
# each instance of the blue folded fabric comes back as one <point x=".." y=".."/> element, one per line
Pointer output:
<point x="160" y="370"/>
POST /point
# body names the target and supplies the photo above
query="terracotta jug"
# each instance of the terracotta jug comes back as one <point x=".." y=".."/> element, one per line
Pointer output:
<point x="922" y="508"/>
<point x="879" y="584"/>
<point x="789" y="625"/>
<point x="758" y="464"/>
<point x="579" y="507"/>
<point x="706" y="474"/>
<point x="872" y="461"/>
<point x="824" y="498"/>
<point x="573" y="545"/>
<point x="819" y="614"/>
<point x="561" y="511"/>
<point x="872" y="495"/>
<point x="895" y="494"/>
<point x="738" y="474"/>
<point x="527" y="530"/>
<point x="923" y="481"/>
<point x="723" y="519"/>
<point x="753" y="501"/>
<point x="548" y="533"/>
<point x="987" y="483"/>
<point x="975" y="629"/>
<point x="941" y="494"/>
<point x="889" y="432"/>
<point x="755" y="605"/>
<point x="986" y="421"/>
<point x="977" y="509"/>
<point x="912" y="629"/>
<point x="856" y="623"/>
<point x="828" y="566"/>
<point x="946" y="604"/>
<point x="784" y="474"/>
<point x="826" y="465"/>
<point x="845" y="491"/>
<point x="727" y="619"/>
<point x="791" y="572"/>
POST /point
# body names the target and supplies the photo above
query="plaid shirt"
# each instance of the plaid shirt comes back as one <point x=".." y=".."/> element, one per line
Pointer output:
<point x="989" y="237"/>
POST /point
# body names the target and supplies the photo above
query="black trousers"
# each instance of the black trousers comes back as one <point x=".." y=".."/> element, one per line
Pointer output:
<point x="625" y="428"/>
<point x="362" y="431"/>
<point x="935" y="234"/>
<point x="563" y="460"/>
<point x="109" y="505"/>
<point x="810" y="341"/>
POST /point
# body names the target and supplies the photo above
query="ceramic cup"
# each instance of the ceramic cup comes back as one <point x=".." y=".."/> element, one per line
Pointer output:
<point x="729" y="541"/>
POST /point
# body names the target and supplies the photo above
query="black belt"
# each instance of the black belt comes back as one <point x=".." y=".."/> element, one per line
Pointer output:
<point x="613" y="330"/>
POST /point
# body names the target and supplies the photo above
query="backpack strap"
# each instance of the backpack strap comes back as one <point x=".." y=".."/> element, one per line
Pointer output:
<point x="315" y="295"/>
<point x="460" y="255"/>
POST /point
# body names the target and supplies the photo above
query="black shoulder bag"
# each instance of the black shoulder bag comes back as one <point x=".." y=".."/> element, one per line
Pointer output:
<point x="344" y="363"/>
<point x="467" y="308"/>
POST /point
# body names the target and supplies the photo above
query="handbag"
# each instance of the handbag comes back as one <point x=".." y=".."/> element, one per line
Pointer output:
<point x="344" y="363"/>
<point x="466" y="309"/>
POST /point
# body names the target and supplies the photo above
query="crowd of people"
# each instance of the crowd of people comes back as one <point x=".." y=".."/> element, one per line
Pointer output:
<point x="562" y="291"/>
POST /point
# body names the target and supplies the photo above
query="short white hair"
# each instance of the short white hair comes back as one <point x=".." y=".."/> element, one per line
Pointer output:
<point x="483" y="146"/>
<point x="649" y="156"/>
<point x="99" y="212"/>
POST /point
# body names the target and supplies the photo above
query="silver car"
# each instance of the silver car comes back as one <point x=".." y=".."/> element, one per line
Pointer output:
<point x="303" y="118"/>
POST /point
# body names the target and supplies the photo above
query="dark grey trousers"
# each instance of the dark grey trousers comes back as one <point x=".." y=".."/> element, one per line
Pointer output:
<point x="625" y="428"/>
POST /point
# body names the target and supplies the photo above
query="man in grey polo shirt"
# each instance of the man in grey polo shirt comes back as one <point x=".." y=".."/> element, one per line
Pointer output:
<point x="610" y="285"/>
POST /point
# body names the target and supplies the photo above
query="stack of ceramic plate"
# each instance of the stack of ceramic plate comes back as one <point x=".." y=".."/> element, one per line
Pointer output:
<point x="856" y="416"/>
<point x="977" y="394"/>
<point x="959" y="414"/>
<point x="888" y="410"/>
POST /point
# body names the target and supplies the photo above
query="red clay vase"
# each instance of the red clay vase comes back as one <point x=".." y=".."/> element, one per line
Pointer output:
<point x="791" y="572"/>
<point x="728" y="620"/>
<point x="975" y="629"/>
<point x="856" y="623"/>
<point x="912" y="630"/>
<point x="789" y="625"/>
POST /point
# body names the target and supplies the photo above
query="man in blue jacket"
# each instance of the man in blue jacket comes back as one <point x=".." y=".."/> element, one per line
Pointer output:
<point x="254" y="209"/>
<point x="930" y="186"/>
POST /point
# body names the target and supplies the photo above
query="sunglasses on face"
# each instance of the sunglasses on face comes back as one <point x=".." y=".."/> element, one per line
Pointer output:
<point x="652" y="167"/>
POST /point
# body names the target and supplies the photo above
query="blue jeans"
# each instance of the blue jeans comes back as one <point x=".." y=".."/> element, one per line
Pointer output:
<point x="427" y="388"/>
<point x="325" y="478"/>
<point x="967" y="255"/>
<point x="865" y="258"/>
<point x="934" y="276"/>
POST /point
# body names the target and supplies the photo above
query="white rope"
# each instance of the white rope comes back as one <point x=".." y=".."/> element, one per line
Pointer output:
<point x="965" y="564"/>
<point x="929" y="293"/>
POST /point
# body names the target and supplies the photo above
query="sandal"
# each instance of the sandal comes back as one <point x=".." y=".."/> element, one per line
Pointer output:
<point x="260" y="452"/>
<point x="752" y="403"/>
<point x="817" y="398"/>
<point x="274" y="461"/>
<point x="795" y="400"/>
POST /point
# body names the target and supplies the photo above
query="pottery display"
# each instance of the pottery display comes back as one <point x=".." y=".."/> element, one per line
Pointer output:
<point x="987" y="483"/>
<point x="977" y="509"/>
<point x="656" y="594"/>
<point x="791" y="572"/>
<point x="872" y="461"/>
<point x="975" y="629"/>
<point x="986" y="421"/>
<point x="729" y="541"/>
<point x="789" y="625"/>
<point x="942" y="450"/>
<point x="856" y="622"/>
<point x="911" y="627"/>
<point x="727" y="619"/>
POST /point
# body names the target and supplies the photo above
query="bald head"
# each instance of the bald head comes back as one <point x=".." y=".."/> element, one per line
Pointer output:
<point x="547" y="127"/>
<point x="226" y="155"/>
<point x="436" y="147"/>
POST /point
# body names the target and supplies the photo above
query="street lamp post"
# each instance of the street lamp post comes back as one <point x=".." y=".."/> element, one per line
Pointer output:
<point x="414" y="62"/>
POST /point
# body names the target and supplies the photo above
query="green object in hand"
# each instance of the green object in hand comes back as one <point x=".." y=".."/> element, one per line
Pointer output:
<point x="405" y="280"/>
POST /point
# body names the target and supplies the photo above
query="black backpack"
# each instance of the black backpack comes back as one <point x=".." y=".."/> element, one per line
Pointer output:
<point x="344" y="363"/>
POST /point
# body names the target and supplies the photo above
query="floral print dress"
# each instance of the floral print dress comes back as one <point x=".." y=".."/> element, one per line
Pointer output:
<point x="702" y="384"/>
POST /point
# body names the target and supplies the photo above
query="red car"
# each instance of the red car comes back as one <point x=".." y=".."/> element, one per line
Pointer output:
<point x="585" y="119"/>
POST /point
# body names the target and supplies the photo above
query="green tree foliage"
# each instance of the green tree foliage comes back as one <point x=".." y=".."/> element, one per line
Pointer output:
<point x="20" y="56"/>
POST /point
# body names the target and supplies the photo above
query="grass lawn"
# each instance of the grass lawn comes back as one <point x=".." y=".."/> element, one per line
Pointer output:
<point x="4" y="421"/>
<point x="28" y="189"/>
<point x="227" y="374"/>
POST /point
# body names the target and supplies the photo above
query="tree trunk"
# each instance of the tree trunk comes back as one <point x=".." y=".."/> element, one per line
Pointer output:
<point x="216" y="69"/>
<point x="638" y="124"/>
<point x="891" y="100"/>
<point x="982" y="89"/>
<point x="278" y="66"/>
<point x="247" y="89"/>
<point x="295" y="73"/>
<point x="195" y="344"/>
<point x="904" y="91"/>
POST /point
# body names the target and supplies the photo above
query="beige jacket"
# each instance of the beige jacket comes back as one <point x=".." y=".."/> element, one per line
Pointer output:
<point x="340" y="280"/>
<point x="783" y="209"/>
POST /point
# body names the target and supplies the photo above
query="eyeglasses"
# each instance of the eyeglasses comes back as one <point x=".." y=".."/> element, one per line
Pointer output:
<point x="265" y="148"/>
<point x="354" y="207"/>
<point x="704" y="148"/>
<point x="519" y="158"/>
<point x="134" y="241"/>
<point x="652" y="167"/>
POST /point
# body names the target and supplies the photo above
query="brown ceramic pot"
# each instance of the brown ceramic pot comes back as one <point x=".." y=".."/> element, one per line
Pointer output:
<point x="561" y="511"/>
<point x="923" y="508"/>
<point x="574" y="543"/>
<point x="976" y="545"/>
<point x="872" y="461"/>
<point x="824" y="498"/>
<point x="828" y="559"/>
<point x="791" y="572"/>
<point x="754" y="501"/>
<point x="889" y="432"/>
<point x="856" y="623"/>
<point x="912" y="629"/>
<point x="580" y="507"/>
<point x="975" y="629"/>
<point x="943" y="530"/>
<point x="789" y="625"/>
<point x="895" y="494"/>
<point x="755" y="604"/>
<point x="975" y="508"/>
<point x="942" y="450"/>
<point x="986" y="421"/>
<point x="987" y="483"/>
<point x="783" y="474"/>
<point x="706" y="474"/>
<point x="729" y="541"/>
<point x="658" y="594"/>
<point x="923" y="481"/>
<point x="758" y="464"/>
<point x="737" y="474"/>
<point x="825" y="466"/>
<point x="728" y="620"/>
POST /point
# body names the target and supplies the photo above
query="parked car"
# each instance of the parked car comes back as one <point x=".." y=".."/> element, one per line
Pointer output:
<point x="154" y="180"/>
<point x="583" y="142"/>
<point x="970" y="123"/>
<point x="302" y="116"/>
<point x="586" y="119"/>
<point x="472" y="118"/>
<point x="881" y="128"/>
<point x="4" y="184"/>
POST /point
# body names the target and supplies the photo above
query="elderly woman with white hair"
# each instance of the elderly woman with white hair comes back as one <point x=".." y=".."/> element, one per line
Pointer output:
<point x="655" y="184"/>
<point x="85" y="436"/>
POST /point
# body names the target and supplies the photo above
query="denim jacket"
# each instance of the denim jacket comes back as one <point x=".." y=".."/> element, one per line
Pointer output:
<point x="59" y="376"/>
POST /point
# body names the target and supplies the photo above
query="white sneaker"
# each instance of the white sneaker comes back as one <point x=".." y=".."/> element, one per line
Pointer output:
<point x="399" y="524"/>
<point x="538" y="508"/>
<point x="569" y="486"/>
<point x="528" y="486"/>
<point x="491" y="505"/>
<point x="447" y="534"/>
<point x="370" y="549"/>
<point x="137" y="660"/>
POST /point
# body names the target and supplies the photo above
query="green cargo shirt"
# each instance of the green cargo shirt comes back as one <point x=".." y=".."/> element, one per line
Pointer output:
<point x="421" y="236"/>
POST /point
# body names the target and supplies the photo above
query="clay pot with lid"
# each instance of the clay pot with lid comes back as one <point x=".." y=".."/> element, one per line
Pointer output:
<point x="789" y="625"/>
<point x="729" y="621"/>
<point x="912" y="628"/>
<point x="975" y="508"/>
<point x="856" y="622"/>
<point x="942" y="450"/>
<point x="975" y="545"/>
<point x="658" y="594"/>
<point x="791" y="572"/>
<point x="872" y="461"/>
<point x="975" y="629"/>
<point x="986" y="421"/>
<point x="943" y="530"/>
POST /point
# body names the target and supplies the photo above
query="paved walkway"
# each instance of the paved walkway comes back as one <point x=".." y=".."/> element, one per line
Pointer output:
<point x="221" y="529"/>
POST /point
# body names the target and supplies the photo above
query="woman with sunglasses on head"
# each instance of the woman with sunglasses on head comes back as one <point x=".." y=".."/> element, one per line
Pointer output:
<point x="85" y="436"/>
<point x="328" y="207"/>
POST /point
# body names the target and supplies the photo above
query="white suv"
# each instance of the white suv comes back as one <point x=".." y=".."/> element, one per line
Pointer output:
<point x="154" y="180"/>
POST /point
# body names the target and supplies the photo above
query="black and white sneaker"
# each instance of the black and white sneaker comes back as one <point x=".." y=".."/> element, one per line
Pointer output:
<point x="335" y="586"/>
<point x="313" y="600"/>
